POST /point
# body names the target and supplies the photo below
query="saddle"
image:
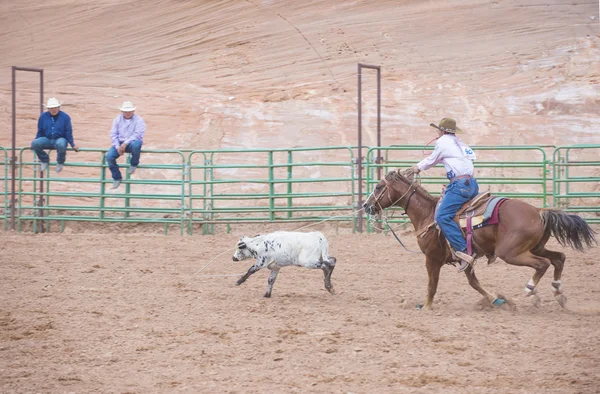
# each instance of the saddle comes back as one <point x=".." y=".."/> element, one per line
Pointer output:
<point x="475" y="209"/>
<point x="479" y="209"/>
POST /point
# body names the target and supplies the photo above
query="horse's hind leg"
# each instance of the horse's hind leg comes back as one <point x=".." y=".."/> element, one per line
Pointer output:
<point x="539" y="263"/>
<point x="558" y="261"/>
<point x="474" y="282"/>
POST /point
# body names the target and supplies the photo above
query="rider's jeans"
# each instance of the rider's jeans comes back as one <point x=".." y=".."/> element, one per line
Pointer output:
<point x="457" y="193"/>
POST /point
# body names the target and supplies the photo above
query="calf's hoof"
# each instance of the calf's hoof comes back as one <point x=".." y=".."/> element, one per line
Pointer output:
<point x="267" y="295"/>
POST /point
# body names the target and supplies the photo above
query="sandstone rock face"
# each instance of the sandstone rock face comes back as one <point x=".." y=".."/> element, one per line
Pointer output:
<point x="263" y="74"/>
<point x="284" y="74"/>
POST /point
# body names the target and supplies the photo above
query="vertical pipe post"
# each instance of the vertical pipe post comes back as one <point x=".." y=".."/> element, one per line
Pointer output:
<point x="42" y="199"/>
<point x="13" y="158"/>
<point x="359" y="158"/>
<point x="378" y="161"/>
<point x="271" y="188"/>
<point x="289" y="184"/>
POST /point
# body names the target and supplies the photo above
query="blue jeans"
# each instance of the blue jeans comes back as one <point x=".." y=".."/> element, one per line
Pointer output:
<point x="60" y="144"/>
<point x="134" y="147"/>
<point x="457" y="193"/>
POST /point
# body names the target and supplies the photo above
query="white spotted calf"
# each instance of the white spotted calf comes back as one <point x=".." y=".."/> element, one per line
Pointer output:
<point x="283" y="248"/>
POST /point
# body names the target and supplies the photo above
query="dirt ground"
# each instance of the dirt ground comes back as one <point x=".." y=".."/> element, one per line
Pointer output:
<point x="140" y="313"/>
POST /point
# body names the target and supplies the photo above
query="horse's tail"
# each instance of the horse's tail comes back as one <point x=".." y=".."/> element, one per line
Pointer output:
<point x="568" y="229"/>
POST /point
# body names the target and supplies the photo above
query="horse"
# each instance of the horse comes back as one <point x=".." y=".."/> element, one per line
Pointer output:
<point x="519" y="238"/>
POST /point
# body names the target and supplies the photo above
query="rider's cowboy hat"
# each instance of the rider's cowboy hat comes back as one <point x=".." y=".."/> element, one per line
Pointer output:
<point x="53" y="103"/>
<point x="448" y="125"/>
<point x="127" y="106"/>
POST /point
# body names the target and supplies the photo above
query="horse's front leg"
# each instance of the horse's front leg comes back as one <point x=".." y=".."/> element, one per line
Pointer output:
<point x="474" y="282"/>
<point x="433" y="272"/>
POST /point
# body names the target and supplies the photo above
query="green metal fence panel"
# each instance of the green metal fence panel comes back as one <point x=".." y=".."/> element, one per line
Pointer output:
<point x="4" y="192"/>
<point x="576" y="180"/>
<point x="190" y="189"/>
<point x="513" y="171"/>
<point x="155" y="194"/>
<point x="271" y="185"/>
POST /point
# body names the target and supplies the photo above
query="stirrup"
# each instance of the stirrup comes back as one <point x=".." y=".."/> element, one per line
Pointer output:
<point x="465" y="256"/>
<point x="463" y="266"/>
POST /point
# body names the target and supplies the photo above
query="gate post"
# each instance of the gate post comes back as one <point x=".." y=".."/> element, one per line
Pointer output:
<point x="359" y="158"/>
<point x="13" y="159"/>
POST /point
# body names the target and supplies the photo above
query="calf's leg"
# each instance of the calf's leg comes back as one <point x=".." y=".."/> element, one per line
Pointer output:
<point x="327" y="268"/>
<point x="271" y="281"/>
<point x="252" y="270"/>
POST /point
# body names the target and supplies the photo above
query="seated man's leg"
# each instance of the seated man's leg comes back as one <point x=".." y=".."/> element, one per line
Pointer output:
<point x="451" y="203"/>
<point x="135" y="148"/>
<point x="38" y="145"/>
<point x="111" y="160"/>
<point x="60" y="144"/>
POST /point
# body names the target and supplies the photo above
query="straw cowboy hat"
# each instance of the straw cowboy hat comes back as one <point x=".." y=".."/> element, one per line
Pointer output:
<point x="448" y="125"/>
<point x="53" y="103"/>
<point x="127" y="106"/>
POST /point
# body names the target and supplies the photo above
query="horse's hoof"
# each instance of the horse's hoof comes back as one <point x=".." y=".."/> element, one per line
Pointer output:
<point x="499" y="301"/>
<point x="562" y="300"/>
<point x="530" y="291"/>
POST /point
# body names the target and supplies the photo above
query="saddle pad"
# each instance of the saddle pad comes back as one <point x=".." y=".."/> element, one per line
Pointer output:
<point x="474" y="222"/>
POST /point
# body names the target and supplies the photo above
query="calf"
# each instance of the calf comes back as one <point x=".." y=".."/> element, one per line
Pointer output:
<point x="282" y="248"/>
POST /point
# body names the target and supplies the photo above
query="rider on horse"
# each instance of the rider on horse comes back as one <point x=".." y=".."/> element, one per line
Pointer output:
<point x="457" y="158"/>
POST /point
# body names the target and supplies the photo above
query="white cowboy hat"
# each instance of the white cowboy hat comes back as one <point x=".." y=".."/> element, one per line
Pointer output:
<point x="53" y="103"/>
<point x="127" y="106"/>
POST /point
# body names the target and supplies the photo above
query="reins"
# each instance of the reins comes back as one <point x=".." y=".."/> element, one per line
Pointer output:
<point x="398" y="238"/>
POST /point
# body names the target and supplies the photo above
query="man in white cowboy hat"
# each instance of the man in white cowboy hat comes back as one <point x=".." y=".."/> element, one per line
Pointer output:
<point x="54" y="132"/>
<point x="457" y="159"/>
<point x="126" y="135"/>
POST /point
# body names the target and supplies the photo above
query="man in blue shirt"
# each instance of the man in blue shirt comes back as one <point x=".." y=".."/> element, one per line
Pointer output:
<point x="54" y="132"/>
<point x="127" y="135"/>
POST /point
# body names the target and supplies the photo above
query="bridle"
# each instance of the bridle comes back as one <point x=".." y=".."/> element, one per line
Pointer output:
<point x="385" y="219"/>
<point x="387" y="189"/>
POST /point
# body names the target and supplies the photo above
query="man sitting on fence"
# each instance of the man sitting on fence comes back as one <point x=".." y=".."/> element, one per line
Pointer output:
<point x="127" y="135"/>
<point x="54" y="132"/>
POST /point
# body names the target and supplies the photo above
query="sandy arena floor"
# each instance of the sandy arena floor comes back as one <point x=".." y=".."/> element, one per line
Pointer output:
<point x="84" y="313"/>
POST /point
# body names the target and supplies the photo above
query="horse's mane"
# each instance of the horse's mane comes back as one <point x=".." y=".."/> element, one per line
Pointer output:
<point x="407" y="176"/>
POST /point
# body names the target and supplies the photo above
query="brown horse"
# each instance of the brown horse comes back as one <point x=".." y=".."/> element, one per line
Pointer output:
<point x="519" y="239"/>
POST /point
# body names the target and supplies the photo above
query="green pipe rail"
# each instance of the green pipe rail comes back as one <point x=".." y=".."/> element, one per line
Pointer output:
<point x="196" y="190"/>
<point x="268" y="185"/>
<point x="135" y="201"/>
<point x="576" y="180"/>
<point x="515" y="172"/>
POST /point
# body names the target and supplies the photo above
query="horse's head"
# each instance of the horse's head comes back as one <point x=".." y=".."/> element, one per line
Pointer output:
<point x="389" y="191"/>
